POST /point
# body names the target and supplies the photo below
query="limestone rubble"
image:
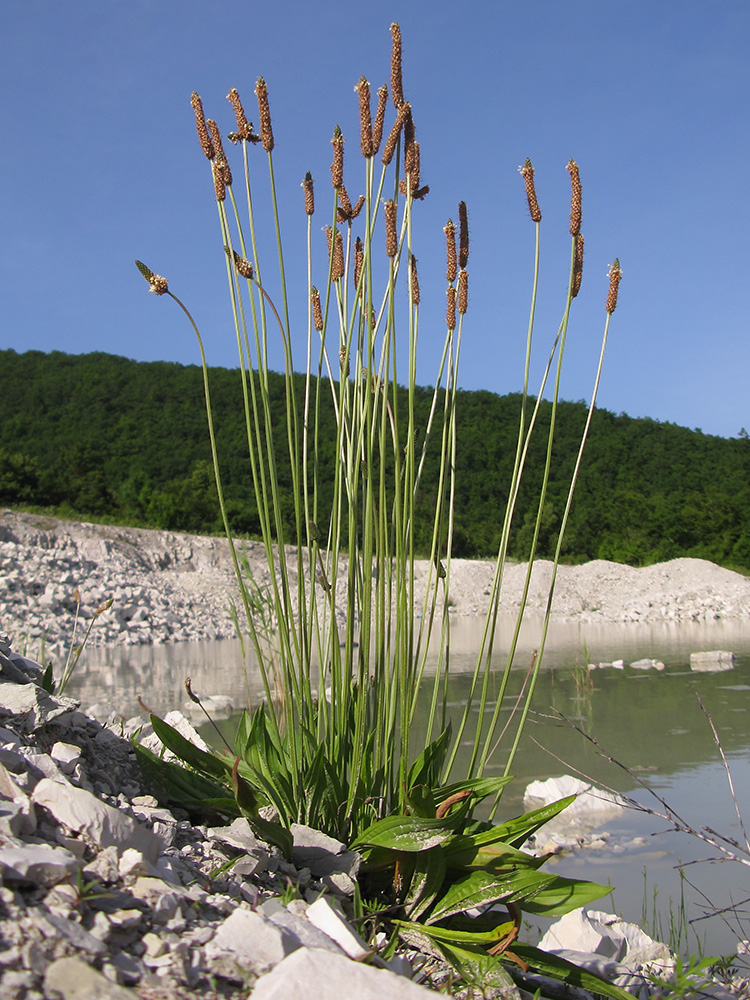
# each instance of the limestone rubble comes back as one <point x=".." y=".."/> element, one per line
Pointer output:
<point x="168" y="587"/>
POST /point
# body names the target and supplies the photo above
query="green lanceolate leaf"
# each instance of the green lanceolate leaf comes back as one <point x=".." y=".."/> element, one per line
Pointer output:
<point x="484" y="938"/>
<point x="476" y="967"/>
<point x="559" y="968"/>
<point x="426" y="882"/>
<point x="518" y="830"/>
<point x="485" y="850"/>
<point x="530" y="890"/>
<point x="406" y="833"/>
<point x="207" y="763"/>
<point x="561" y="895"/>
<point x="427" y="766"/>
<point x="272" y="833"/>
<point x="175" y="785"/>
<point x="421" y="801"/>
<point x="48" y="680"/>
<point x="479" y="787"/>
<point x="242" y="735"/>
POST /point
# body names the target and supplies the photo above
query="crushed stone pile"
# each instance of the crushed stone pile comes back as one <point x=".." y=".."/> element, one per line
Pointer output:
<point x="169" y="587"/>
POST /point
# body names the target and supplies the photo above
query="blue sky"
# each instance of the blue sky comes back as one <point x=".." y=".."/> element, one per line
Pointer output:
<point x="100" y="164"/>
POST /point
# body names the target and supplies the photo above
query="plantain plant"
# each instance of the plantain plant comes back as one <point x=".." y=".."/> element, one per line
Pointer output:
<point x="344" y="655"/>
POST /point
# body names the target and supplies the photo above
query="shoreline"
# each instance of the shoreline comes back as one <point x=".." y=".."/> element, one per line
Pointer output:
<point x="171" y="587"/>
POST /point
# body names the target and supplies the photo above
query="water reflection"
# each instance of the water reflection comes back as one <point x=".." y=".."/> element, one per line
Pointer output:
<point x="648" y="720"/>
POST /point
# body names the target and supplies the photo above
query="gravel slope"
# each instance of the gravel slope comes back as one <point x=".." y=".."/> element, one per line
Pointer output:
<point x="169" y="587"/>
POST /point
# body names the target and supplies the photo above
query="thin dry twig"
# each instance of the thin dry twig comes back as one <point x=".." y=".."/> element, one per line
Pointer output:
<point x="676" y="822"/>
<point x="717" y="741"/>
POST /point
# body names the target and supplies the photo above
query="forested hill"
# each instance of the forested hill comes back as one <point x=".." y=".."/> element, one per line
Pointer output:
<point x="101" y="436"/>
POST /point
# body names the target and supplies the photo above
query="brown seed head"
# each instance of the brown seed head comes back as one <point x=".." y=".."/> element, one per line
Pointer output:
<point x="264" y="114"/>
<point x="344" y="362"/>
<point x="359" y="259"/>
<point x="450" y="241"/>
<point x="242" y="265"/>
<point x="450" y="314"/>
<point x="390" y="143"/>
<point x="337" y="260"/>
<point x="409" y="137"/>
<point x="200" y="124"/>
<point x="577" y="267"/>
<point x="397" y="86"/>
<point x="360" y="203"/>
<point x="156" y="284"/>
<point x="337" y="167"/>
<point x="414" y="281"/>
<point x="365" y="116"/>
<point x="219" y="183"/>
<point x="344" y="209"/>
<point x="307" y="185"/>
<point x="463" y="235"/>
<point x="575" y="198"/>
<point x="377" y="128"/>
<point x="338" y="257"/>
<point x="527" y="172"/>
<point x="412" y="170"/>
<point x="220" y="162"/>
<point x="391" y="239"/>
<point x="463" y="291"/>
<point x="244" y="127"/>
<point x="317" y="312"/>
<point x="615" y="276"/>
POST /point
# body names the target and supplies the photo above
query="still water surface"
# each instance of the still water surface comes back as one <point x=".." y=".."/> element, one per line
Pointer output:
<point x="649" y="721"/>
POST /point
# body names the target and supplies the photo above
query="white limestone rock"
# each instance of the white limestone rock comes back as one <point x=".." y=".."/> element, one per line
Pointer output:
<point x="322" y="854"/>
<point x="104" y="826"/>
<point x="248" y="944"/>
<point x="33" y="703"/>
<point x="72" y="979"/>
<point x="647" y="663"/>
<point x="603" y="943"/>
<point x="312" y="972"/>
<point x="37" y="863"/>
<point x="712" y="661"/>
<point x="66" y="756"/>
<point x="327" y="917"/>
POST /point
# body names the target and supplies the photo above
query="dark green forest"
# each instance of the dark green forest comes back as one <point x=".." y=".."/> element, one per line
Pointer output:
<point x="102" y="437"/>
